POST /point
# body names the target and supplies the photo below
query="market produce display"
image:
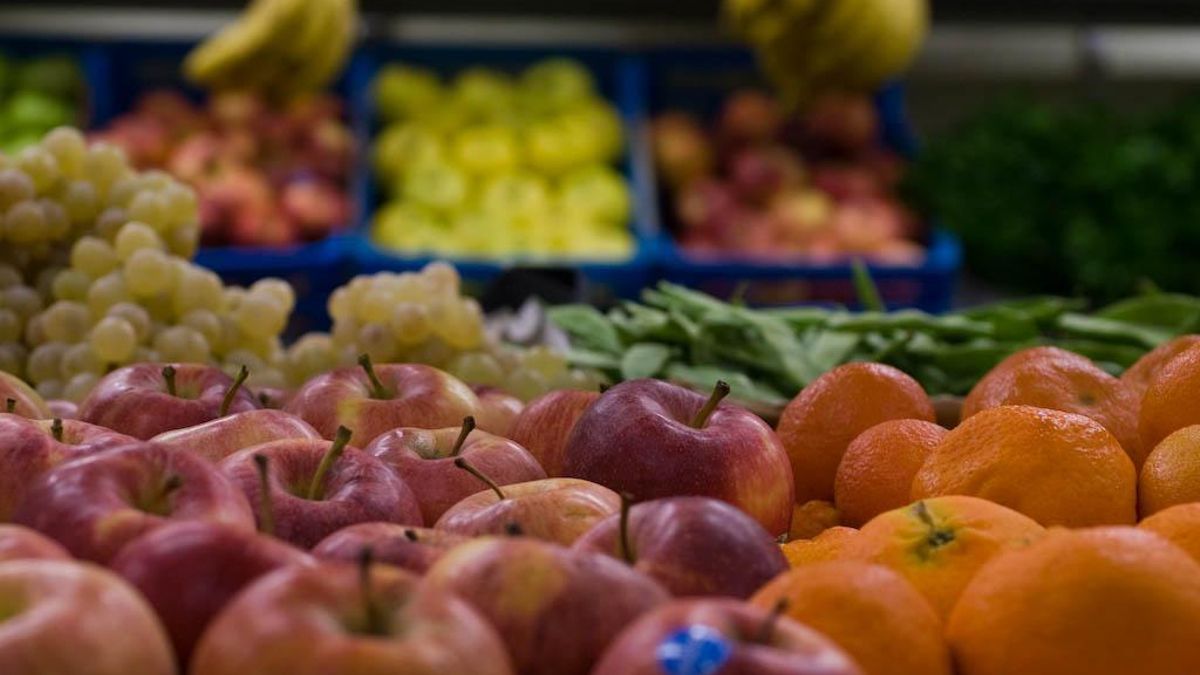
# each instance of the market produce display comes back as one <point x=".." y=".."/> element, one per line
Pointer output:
<point x="492" y="165"/>
<point x="36" y="95"/>
<point x="758" y="185"/>
<point x="265" y="174"/>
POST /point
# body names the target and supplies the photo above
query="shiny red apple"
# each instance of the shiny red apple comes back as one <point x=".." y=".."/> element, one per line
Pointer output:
<point x="412" y="548"/>
<point x="498" y="410"/>
<point x="217" y="439"/>
<point x="22" y="543"/>
<point x="544" y="426"/>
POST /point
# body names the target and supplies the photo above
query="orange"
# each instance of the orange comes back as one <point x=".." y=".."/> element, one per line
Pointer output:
<point x="1107" y="600"/>
<point x="1055" y="467"/>
<point x="1049" y="377"/>
<point x="877" y="470"/>
<point x="1170" y="400"/>
<point x="1179" y="525"/>
<point x="818" y="425"/>
<point x="1171" y="474"/>
<point x="939" y="544"/>
<point x="1138" y="376"/>
<point x="829" y="545"/>
<point x="868" y="610"/>
<point x="812" y="518"/>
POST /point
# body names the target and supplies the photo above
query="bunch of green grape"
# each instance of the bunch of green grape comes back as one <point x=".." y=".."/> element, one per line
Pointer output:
<point x="95" y="273"/>
<point x="423" y="317"/>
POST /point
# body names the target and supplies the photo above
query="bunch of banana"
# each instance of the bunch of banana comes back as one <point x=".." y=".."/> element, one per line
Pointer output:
<point x="807" y="47"/>
<point x="279" y="47"/>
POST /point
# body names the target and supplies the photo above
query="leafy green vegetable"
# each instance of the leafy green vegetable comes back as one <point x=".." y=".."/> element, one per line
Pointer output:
<point x="645" y="359"/>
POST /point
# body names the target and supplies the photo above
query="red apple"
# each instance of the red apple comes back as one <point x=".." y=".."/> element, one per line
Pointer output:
<point x="545" y="424"/>
<point x="273" y="398"/>
<point x="316" y="206"/>
<point x="95" y="505"/>
<point x="738" y="639"/>
<point x="69" y="617"/>
<point x="217" y="439"/>
<point x="424" y="459"/>
<point x="498" y="410"/>
<point x="757" y="175"/>
<point x="146" y="399"/>
<point x="705" y="204"/>
<point x="25" y="401"/>
<point x="652" y="439"/>
<point x="414" y="549"/>
<point x="690" y="545"/>
<point x="22" y="543"/>
<point x="845" y="123"/>
<point x="846" y="182"/>
<point x="556" y="609"/>
<point x="863" y="225"/>
<point x="340" y="618"/>
<point x="370" y="401"/>
<point x="750" y="118"/>
<point x="190" y="570"/>
<point x="318" y="487"/>
<point x="800" y="216"/>
<point x="682" y="150"/>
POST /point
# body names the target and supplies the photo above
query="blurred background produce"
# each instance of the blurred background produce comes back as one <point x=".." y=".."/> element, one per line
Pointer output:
<point x="37" y="94"/>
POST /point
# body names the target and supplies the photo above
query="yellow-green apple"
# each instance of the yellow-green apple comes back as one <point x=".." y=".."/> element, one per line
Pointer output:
<point x="424" y="458"/>
<point x="412" y="548"/>
<point x="146" y="399"/>
<point x="33" y="447"/>
<point x="25" y="401"/>
<point x="371" y="400"/>
<point x="558" y="510"/>
<point x="731" y="637"/>
<point x="217" y="439"/>
<point x="690" y="545"/>
<point x="556" y="609"/>
<point x="190" y="570"/>
<point x="652" y="439"/>
<point x="68" y="617"/>
<point x="317" y="487"/>
<point x="22" y="543"/>
<point x="498" y="410"/>
<point x="344" y="618"/>
<point x="95" y="505"/>
<point x="544" y="426"/>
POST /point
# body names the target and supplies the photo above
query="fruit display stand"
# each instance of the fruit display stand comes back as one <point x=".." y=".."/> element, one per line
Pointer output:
<point x="619" y="77"/>
<point x="697" y="80"/>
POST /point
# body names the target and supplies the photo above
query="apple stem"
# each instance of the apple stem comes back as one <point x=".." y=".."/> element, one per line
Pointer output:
<point x="467" y="427"/>
<point x="514" y="529"/>
<point x="376" y="622"/>
<point x="410" y="535"/>
<point x="266" y="507"/>
<point x="168" y="373"/>
<point x="768" y="625"/>
<point x="604" y="387"/>
<point x="623" y="532"/>
<point x="720" y="391"/>
<point x="377" y="389"/>
<point x="10" y="405"/>
<point x="56" y="429"/>
<point x="227" y="402"/>
<point x="340" y="440"/>
<point x="462" y="463"/>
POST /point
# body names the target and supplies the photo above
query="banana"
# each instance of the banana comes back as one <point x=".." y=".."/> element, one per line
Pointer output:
<point x="333" y="45"/>
<point x="236" y="43"/>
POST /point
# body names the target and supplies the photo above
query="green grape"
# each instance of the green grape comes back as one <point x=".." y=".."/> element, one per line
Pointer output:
<point x="433" y="352"/>
<point x="122" y="191"/>
<point x="110" y="221"/>
<point x="144" y="354"/>
<point x="12" y="358"/>
<point x="113" y="339"/>
<point x="180" y="203"/>
<point x="278" y="289"/>
<point x="341" y="304"/>
<point x="377" y="341"/>
<point x="183" y="240"/>
<point x="231" y="297"/>
<point x="15" y="187"/>
<point x="134" y="236"/>
<point x="67" y="321"/>
<point x="34" y="334"/>
<point x="10" y="326"/>
<point x="107" y="291"/>
<point x="9" y="276"/>
<point x="40" y="166"/>
<point x="78" y="359"/>
<point x="477" y="368"/>
<point x="94" y="256"/>
<point x="79" y="386"/>
<point x="526" y="384"/>
<point x="160" y="306"/>
<point x="267" y="377"/>
<point x="182" y="344"/>
<point x="25" y="223"/>
<point x="44" y="280"/>
<point x="545" y="361"/>
<point x="197" y="288"/>
<point x="136" y="316"/>
<point x="244" y="357"/>
<point x="345" y="333"/>
<point x="207" y="324"/>
<point x="230" y="335"/>
<point x="156" y="179"/>
<point x="309" y="356"/>
<point x="149" y="272"/>
<point x="260" y="315"/>
<point x="459" y="323"/>
<point x="410" y="323"/>
<point x="57" y="223"/>
<point x="71" y="284"/>
<point x="68" y="147"/>
<point x="149" y="208"/>
<point x="23" y="300"/>
<point x="49" y="389"/>
<point x="442" y="279"/>
<point x="374" y="306"/>
<point x="81" y="202"/>
<point x="104" y="164"/>
<point x="44" y="361"/>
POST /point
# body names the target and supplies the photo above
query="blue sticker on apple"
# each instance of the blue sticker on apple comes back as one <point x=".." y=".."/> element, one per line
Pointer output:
<point x="694" y="650"/>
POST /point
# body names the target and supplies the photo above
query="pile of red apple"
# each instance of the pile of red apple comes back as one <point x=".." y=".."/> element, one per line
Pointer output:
<point x="762" y="186"/>
<point x="264" y="174"/>
<point x="368" y="526"/>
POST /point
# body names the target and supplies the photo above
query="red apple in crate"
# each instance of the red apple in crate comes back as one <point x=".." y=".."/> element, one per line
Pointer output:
<point x="757" y="175"/>
<point x="750" y="118"/>
<point x="217" y="439"/>
<point x="196" y="158"/>
<point x="498" y="410"/>
<point x="372" y="400"/>
<point x="801" y="215"/>
<point x="22" y="543"/>
<point x="683" y="153"/>
<point x="69" y="617"/>
<point x="31" y="448"/>
<point x="233" y="109"/>
<point x="544" y="426"/>
<point x="558" y="510"/>
<point x="95" y="505"/>
<point x="705" y="204"/>
<point x="25" y="401"/>
<point x="317" y="207"/>
<point x="736" y="638"/>
<point x="690" y="545"/>
<point x="845" y="182"/>
<point x="190" y="570"/>
<point x="415" y="549"/>
<point x="652" y="439"/>
<point x="844" y="123"/>
<point x="562" y="613"/>
<point x="424" y="459"/>
<point x="341" y="618"/>
<point x="319" y="487"/>
<point x="146" y="399"/>
<point x="863" y="225"/>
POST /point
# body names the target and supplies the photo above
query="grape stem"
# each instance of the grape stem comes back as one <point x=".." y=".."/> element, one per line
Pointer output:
<point x="468" y="426"/>
<point x="340" y="440"/>
<point x="462" y="463"/>
<point x="226" y="402"/>
<point x="378" y="391"/>
<point x="168" y="373"/>
<point x="720" y="391"/>
<point x="56" y="429"/>
<point x="10" y="405"/>
<point x="266" y="507"/>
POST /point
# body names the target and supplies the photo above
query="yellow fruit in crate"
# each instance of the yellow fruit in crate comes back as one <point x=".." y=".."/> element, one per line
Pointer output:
<point x="553" y="85"/>
<point x="486" y="93"/>
<point x="486" y="149"/>
<point x="596" y="193"/>
<point x="405" y="226"/>
<point x="404" y="145"/>
<point x="520" y="194"/>
<point x="439" y="186"/>
<point x="553" y="148"/>
<point x="402" y="92"/>
<point x="599" y="125"/>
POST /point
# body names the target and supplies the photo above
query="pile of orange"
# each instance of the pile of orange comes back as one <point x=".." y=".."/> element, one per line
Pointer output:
<point x="1008" y="543"/>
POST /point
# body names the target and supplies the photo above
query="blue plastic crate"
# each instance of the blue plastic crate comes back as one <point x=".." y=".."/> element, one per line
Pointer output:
<point x="620" y="78"/>
<point x="91" y="58"/>
<point x="699" y="80"/>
